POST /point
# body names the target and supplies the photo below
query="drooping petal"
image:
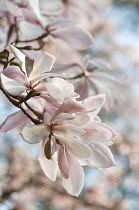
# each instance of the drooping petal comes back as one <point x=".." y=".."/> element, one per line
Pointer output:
<point x="102" y="156"/>
<point x="13" y="87"/>
<point x="16" y="120"/>
<point x="74" y="184"/>
<point x="80" y="40"/>
<point x="49" y="167"/>
<point x="68" y="130"/>
<point x="34" y="133"/>
<point x="34" y="31"/>
<point x="14" y="72"/>
<point x="63" y="163"/>
<point x="75" y="146"/>
<point x="42" y="64"/>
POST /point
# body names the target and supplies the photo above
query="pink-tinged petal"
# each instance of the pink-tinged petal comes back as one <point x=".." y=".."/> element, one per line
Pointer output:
<point x="34" y="133"/>
<point x="50" y="108"/>
<point x="80" y="120"/>
<point x="76" y="37"/>
<point x="62" y="117"/>
<point x="16" y="120"/>
<point x="59" y="82"/>
<point x="14" y="72"/>
<point x="47" y="118"/>
<point x="61" y="23"/>
<point x="37" y="103"/>
<point x="102" y="156"/>
<point x="42" y="64"/>
<point x="74" y="184"/>
<point x="13" y="87"/>
<point x="82" y="88"/>
<point x="105" y="133"/>
<point x="94" y="104"/>
<point x="107" y="84"/>
<point x="54" y="91"/>
<point x="18" y="54"/>
<point x="68" y="130"/>
<point x="63" y="163"/>
<point x="49" y="167"/>
<point x="36" y="8"/>
<point x="13" y="9"/>
<point x="50" y="7"/>
<point x="100" y="64"/>
<point x="51" y="101"/>
<point x="34" y="31"/>
<point x="40" y="78"/>
<point x="66" y="68"/>
<point x="75" y="146"/>
<point x="90" y="135"/>
<point x="70" y="105"/>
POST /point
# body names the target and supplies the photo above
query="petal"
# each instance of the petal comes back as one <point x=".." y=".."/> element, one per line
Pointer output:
<point x="13" y="87"/>
<point x="80" y="40"/>
<point x="37" y="103"/>
<point x="105" y="133"/>
<point x="80" y="120"/>
<point x="68" y="130"/>
<point x="70" y="105"/>
<point x="90" y="135"/>
<point x="63" y="163"/>
<point x="94" y="104"/>
<point x="14" y="72"/>
<point x="50" y="7"/>
<point x="75" y="146"/>
<point x="61" y="23"/>
<point x="49" y="167"/>
<point x="13" y="9"/>
<point x="102" y="156"/>
<point x="15" y="120"/>
<point x="18" y="54"/>
<point x="34" y="133"/>
<point x="74" y="184"/>
<point x="62" y="117"/>
<point x="107" y="84"/>
<point x="42" y="64"/>
<point x="34" y="31"/>
<point x="36" y="9"/>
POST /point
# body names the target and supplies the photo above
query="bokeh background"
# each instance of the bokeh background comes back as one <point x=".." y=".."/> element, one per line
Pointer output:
<point x="23" y="186"/>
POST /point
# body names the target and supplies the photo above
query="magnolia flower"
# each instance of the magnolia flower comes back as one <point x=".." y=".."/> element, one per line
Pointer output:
<point x="98" y="76"/>
<point x="72" y="136"/>
<point x="16" y="81"/>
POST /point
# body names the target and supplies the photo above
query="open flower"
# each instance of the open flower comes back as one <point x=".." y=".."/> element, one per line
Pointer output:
<point x="16" y="81"/>
<point x="70" y="136"/>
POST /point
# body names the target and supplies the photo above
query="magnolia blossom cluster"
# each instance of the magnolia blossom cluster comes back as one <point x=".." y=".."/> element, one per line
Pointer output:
<point x="59" y="114"/>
